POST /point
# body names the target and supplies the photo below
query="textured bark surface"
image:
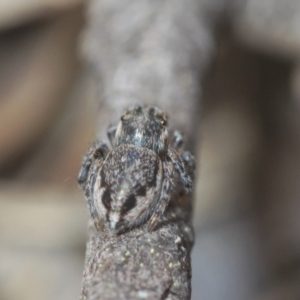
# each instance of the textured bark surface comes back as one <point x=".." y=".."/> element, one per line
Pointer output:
<point x="139" y="264"/>
<point x="152" y="52"/>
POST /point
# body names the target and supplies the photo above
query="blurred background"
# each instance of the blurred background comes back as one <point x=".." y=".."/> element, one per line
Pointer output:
<point x="248" y="192"/>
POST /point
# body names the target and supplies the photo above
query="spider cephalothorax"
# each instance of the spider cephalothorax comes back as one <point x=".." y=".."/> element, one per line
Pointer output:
<point x="144" y="127"/>
<point x="134" y="182"/>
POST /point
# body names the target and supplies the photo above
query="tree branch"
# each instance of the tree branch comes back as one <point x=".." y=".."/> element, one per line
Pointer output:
<point x="152" y="52"/>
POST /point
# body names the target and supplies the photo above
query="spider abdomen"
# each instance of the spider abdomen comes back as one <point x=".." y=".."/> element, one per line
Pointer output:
<point x="127" y="187"/>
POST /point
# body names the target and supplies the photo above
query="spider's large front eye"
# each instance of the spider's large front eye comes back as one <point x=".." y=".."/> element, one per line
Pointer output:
<point x="163" y="122"/>
<point x="138" y="109"/>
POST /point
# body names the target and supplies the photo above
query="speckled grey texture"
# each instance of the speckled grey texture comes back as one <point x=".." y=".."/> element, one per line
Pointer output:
<point x="151" y="52"/>
<point x="139" y="264"/>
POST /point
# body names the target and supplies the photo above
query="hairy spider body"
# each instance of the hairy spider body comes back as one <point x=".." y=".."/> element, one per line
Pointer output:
<point x="134" y="182"/>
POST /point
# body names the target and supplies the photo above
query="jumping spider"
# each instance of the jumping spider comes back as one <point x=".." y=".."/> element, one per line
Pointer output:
<point x="134" y="181"/>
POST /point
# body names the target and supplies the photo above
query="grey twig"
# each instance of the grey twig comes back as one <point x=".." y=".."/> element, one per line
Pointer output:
<point x="152" y="52"/>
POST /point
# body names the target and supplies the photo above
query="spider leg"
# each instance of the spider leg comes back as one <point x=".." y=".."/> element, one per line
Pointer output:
<point x="185" y="166"/>
<point x="84" y="172"/>
<point x="89" y="192"/>
<point x="189" y="163"/>
<point x="97" y="152"/>
<point x="181" y="169"/>
<point x="177" y="140"/>
<point x="111" y="134"/>
<point x="164" y="200"/>
<point x="91" y="163"/>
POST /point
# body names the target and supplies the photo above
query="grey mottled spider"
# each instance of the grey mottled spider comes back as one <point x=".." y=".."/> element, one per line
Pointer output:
<point x="134" y="182"/>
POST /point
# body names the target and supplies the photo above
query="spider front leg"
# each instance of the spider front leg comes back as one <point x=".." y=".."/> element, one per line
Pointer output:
<point x="111" y="134"/>
<point x="167" y="192"/>
<point x="184" y="165"/>
<point x="183" y="161"/>
<point x="189" y="163"/>
<point x="97" y="152"/>
<point x="91" y="163"/>
<point x="179" y="166"/>
<point x="177" y="140"/>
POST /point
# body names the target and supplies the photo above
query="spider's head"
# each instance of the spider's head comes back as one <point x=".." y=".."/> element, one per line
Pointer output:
<point x="144" y="127"/>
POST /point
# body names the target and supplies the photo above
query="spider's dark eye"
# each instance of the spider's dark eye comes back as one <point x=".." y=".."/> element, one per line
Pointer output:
<point x="138" y="109"/>
<point x="163" y="122"/>
<point x="152" y="111"/>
